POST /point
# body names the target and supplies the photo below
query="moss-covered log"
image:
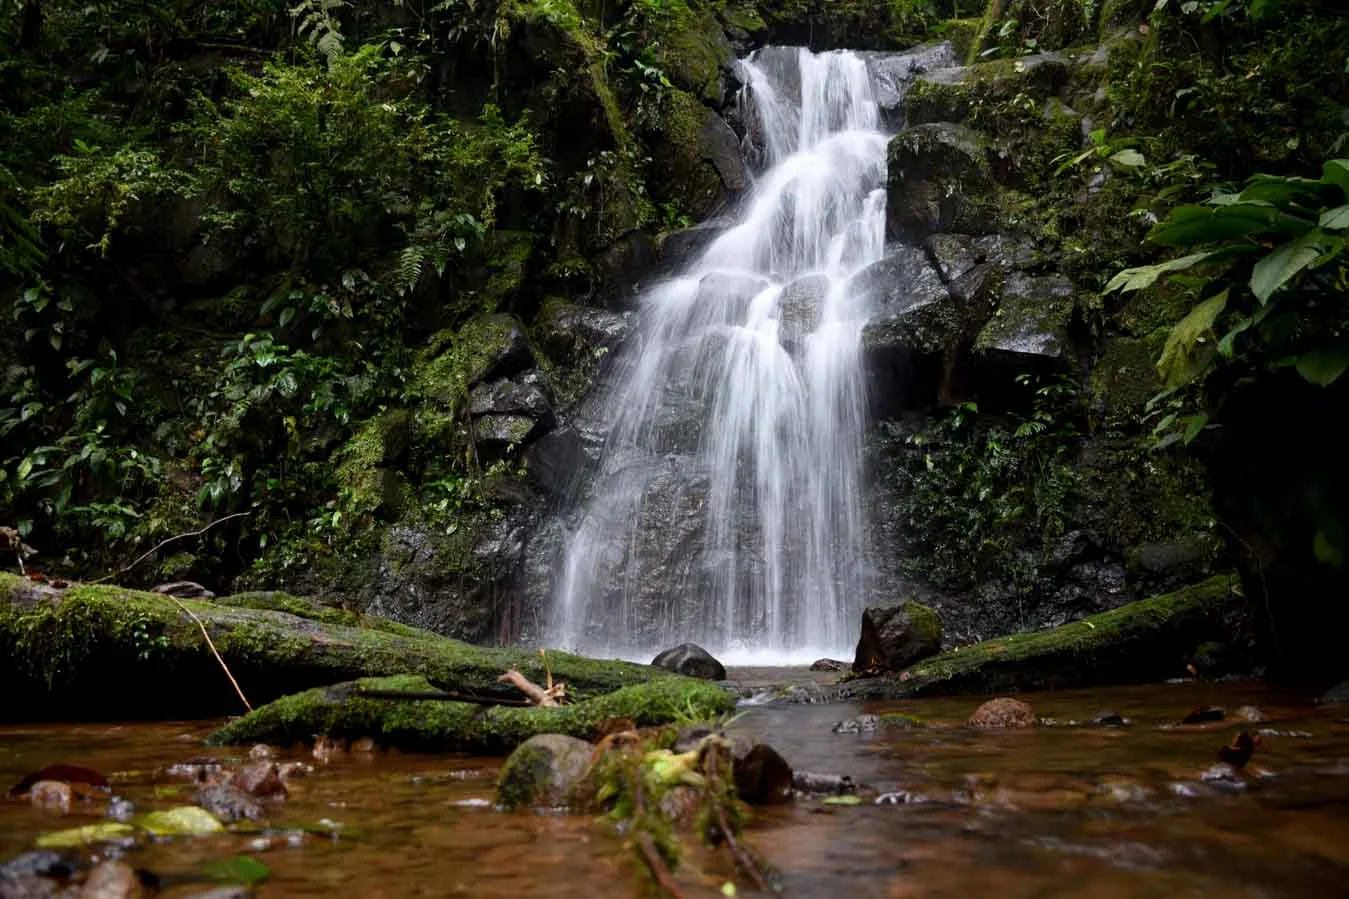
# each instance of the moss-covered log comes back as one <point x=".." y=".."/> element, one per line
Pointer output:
<point x="107" y="652"/>
<point x="433" y="725"/>
<point x="1145" y="640"/>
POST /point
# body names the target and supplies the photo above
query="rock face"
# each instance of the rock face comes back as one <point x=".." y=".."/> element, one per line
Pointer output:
<point x="1003" y="712"/>
<point x="939" y="180"/>
<point x="894" y="638"/>
<point x="691" y="660"/>
<point x="543" y="771"/>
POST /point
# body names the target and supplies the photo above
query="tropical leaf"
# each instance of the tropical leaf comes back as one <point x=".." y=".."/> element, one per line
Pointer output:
<point x="1178" y="363"/>
<point x="1146" y="275"/>
<point x="1128" y="158"/>
<point x="1285" y="262"/>
<point x="1336" y="171"/>
<point x="1336" y="219"/>
<point x="1190" y="225"/>
<point x="1278" y="190"/>
<point x="1323" y="365"/>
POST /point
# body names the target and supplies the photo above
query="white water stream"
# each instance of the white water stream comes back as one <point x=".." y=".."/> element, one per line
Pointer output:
<point x="727" y="508"/>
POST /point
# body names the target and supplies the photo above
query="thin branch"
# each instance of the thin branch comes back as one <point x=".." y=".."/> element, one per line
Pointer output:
<point x="659" y="870"/>
<point x="746" y="861"/>
<point x="164" y="543"/>
<point x="214" y="652"/>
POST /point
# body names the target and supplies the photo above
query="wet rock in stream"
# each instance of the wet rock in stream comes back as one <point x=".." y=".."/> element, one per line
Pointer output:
<point x="1003" y="712"/>
<point x="545" y="770"/>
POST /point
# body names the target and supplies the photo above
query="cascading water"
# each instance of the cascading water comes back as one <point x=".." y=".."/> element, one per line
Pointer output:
<point x="727" y="506"/>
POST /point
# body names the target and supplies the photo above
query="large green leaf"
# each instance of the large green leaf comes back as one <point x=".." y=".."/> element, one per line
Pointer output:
<point x="1278" y="190"/>
<point x="1323" y="365"/>
<point x="1146" y="275"/>
<point x="1336" y="219"/>
<point x="1285" y="262"/>
<point x="1190" y="225"/>
<point x="1179" y="362"/>
<point x="185" y="820"/>
<point x="84" y="836"/>
<point x="1336" y="171"/>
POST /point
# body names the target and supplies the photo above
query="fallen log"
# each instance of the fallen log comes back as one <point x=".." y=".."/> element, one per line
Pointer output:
<point x="1143" y="641"/>
<point x="101" y="652"/>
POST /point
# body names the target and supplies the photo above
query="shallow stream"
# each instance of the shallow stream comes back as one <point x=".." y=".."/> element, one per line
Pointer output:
<point x="1062" y="810"/>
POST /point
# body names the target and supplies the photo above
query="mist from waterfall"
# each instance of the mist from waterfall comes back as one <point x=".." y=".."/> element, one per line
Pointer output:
<point x="727" y="506"/>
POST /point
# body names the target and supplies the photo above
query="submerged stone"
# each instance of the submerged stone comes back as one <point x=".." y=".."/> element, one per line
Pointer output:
<point x="1003" y="712"/>
<point x="543" y="771"/>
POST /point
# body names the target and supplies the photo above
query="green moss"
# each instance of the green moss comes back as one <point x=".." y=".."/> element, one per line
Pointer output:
<point x="111" y="652"/>
<point x="1142" y="640"/>
<point x="925" y="624"/>
<point x="962" y="34"/>
<point x="693" y="53"/>
<point x="300" y="607"/>
<point x="429" y="725"/>
<point x="689" y="180"/>
<point x="458" y="358"/>
<point x="901" y="719"/>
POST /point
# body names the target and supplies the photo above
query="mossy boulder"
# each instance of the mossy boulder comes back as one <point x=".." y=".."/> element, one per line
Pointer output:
<point x="695" y="53"/>
<point x="938" y="179"/>
<point x="106" y="652"/>
<point x="1145" y="640"/>
<point x="545" y="770"/>
<point x="896" y="637"/>
<point x="430" y="725"/>
<point x="698" y="155"/>
<point x="1031" y="318"/>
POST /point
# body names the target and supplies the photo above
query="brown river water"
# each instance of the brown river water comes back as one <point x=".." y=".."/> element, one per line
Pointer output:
<point x="1057" y="811"/>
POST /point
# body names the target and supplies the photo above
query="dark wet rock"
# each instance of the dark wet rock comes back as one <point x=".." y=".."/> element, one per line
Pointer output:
<point x="1031" y="318"/>
<point x="1239" y="751"/>
<point x="691" y="660"/>
<point x="679" y="249"/>
<point x="184" y="590"/>
<point x="543" y="771"/>
<point x="823" y="784"/>
<point x="893" y="73"/>
<point x="1003" y="712"/>
<point x="939" y="179"/>
<point x="569" y="332"/>
<point x="799" y="308"/>
<point x="762" y="776"/>
<point x="894" y="638"/>
<point x="40" y="863"/>
<point x="1205" y="715"/>
<point x="622" y="268"/>
<point x="110" y="879"/>
<point x="508" y="354"/>
<point x="498" y="435"/>
<point x="121" y="809"/>
<point x="952" y="254"/>
<point x="260" y="778"/>
<point x="720" y="147"/>
<point x="1213" y="660"/>
<point x="1337" y="695"/>
<point x="828" y="665"/>
<point x="914" y="312"/>
<point x="528" y="396"/>
<point x="229" y="803"/>
<point x="860" y="724"/>
<point x="1007" y="252"/>
<point x="556" y="460"/>
<point x="1108" y="719"/>
<point x="30" y="886"/>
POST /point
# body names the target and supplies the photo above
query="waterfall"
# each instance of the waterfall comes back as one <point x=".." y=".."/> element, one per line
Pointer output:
<point x="727" y="505"/>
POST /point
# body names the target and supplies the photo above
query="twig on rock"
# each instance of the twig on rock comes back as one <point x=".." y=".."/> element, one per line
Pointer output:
<point x="545" y="697"/>
<point x="214" y="652"/>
